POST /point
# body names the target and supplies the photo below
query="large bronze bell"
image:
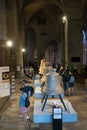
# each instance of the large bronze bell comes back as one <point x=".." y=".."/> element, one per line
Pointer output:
<point x="53" y="83"/>
<point x="53" y="87"/>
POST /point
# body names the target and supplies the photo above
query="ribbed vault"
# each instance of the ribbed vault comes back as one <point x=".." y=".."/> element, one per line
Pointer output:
<point x="31" y="7"/>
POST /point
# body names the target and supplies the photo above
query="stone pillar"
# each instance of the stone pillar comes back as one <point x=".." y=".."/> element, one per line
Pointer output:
<point x="65" y="21"/>
<point x="14" y="32"/>
<point x="3" y="29"/>
<point x="66" y="42"/>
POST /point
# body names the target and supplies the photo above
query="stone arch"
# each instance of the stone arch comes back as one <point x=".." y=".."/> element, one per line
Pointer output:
<point x="52" y="52"/>
<point x="39" y="6"/>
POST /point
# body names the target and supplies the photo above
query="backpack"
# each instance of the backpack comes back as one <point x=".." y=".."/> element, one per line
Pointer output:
<point x="29" y="88"/>
<point x="72" y="79"/>
<point x="27" y="102"/>
<point x="66" y="77"/>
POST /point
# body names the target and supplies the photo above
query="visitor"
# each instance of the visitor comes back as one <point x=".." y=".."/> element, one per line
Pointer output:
<point x="23" y="109"/>
<point x="71" y="85"/>
<point x="66" y="76"/>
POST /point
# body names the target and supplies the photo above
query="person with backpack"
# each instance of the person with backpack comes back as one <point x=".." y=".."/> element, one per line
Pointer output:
<point x="23" y="107"/>
<point x="66" y="77"/>
<point x="29" y="90"/>
<point x="71" y="85"/>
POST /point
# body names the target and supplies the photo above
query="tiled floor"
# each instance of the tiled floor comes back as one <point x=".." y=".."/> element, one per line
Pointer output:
<point x="10" y="118"/>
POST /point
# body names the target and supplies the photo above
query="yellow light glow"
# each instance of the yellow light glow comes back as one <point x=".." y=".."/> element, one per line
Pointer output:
<point x="9" y="43"/>
<point x="23" y="50"/>
<point x="64" y="19"/>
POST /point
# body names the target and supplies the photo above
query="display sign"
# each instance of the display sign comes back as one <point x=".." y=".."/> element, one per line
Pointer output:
<point x="57" y="110"/>
<point x="57" y="117"/>
<point x="57" y="113"/>
<point x="4" y="81"/>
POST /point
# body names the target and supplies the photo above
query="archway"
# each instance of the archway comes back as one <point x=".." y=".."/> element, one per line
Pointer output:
<point x="44" y="32"/>
<point x="52" y="52"/>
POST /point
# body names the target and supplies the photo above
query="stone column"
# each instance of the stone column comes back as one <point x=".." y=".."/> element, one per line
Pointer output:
<point x="66" y="42"/>
<point x="65" y="21"/>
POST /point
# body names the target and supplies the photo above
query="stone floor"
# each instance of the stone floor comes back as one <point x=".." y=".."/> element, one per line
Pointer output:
<point x="10" y="117"/>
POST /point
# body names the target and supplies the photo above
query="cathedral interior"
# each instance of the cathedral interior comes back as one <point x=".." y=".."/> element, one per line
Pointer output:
<point x="55" y="29"/>
<point x="31" y="30"/>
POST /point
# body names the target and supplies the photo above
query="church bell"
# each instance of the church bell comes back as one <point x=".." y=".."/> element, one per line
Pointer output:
<point x="53" y="83"/>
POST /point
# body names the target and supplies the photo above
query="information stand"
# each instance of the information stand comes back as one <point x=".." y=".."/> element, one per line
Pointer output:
<point x="57" y="118"/>
<point x="4" y="82"/>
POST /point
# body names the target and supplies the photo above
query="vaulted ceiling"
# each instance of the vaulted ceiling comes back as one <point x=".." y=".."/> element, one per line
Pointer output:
<point x="29" y="8"/>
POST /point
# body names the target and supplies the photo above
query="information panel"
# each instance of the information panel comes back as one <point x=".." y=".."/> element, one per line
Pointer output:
<point x="4" y="81"/>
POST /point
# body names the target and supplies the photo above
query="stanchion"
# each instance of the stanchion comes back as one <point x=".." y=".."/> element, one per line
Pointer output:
<point x="12" y="86"/>
<point x="57" y="118"/>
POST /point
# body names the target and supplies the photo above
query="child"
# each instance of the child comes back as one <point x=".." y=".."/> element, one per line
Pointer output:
<point x="71" y="85"/>
<point x="23" y="109"/>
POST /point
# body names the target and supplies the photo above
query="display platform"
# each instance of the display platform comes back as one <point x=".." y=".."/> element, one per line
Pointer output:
<point x="46" y="116"/>
<point x="39" y="94"/>
<point x="37" y="83"/>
